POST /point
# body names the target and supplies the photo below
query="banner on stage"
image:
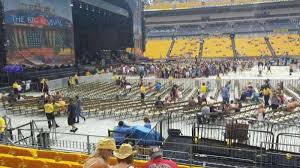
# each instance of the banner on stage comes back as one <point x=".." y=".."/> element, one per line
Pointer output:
<point x="39" y="32"/>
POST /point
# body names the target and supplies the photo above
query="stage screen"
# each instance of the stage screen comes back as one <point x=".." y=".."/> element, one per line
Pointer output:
<point x="39" y="32"/>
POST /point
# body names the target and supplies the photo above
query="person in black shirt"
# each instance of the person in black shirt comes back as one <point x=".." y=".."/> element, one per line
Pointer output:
<point x="72" y="115"/>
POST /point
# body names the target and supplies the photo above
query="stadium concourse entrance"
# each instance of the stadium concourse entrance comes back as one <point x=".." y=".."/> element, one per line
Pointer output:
<point x="100" y="34"/>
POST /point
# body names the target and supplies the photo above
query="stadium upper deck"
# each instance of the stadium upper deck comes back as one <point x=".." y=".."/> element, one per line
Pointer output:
<point x="187" y="4"/>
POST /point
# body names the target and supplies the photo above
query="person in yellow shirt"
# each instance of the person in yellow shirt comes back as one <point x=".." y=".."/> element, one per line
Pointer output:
<point x="88" y="73"/>
<point x="49" y="110"/>
<point x="61" y="105"/>
<point x="15" y="87"/>
<point x="2" y="127"/>
<point x="143" y="92"/>
<point x="203" y="89"/>
<point x="266" y="92"/>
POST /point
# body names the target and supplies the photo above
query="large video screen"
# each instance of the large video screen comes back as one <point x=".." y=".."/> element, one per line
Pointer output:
<point x="39" y="32"/>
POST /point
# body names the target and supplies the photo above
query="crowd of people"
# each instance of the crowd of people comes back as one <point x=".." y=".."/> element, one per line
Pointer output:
<point x="265" y="95"/>
<point x="107" y="148"/>
<point x="185" y="70"/>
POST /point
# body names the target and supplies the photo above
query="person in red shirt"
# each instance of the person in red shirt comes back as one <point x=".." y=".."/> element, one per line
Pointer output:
<point x="157" y="160"/>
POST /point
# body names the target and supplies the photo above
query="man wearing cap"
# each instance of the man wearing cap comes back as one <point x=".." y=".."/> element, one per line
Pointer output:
<point x="104" y="150"/>
<point x="157" y="161"/>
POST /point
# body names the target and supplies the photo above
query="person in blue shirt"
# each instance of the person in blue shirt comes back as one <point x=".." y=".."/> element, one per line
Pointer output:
<point x="121" y="132"/>
<point x="147" y="123"/>
<point x="157" y="86"/>
<point x="225" y="93"/>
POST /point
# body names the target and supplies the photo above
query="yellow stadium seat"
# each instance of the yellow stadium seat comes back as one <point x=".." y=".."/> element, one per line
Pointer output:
<point x="183" y="166"/>
<point x="139" y="163"/>
<point x="73" y="157"/>
<point x="54" y="164"/>
<point x="47" y="154"/>
<point x="10" y="161"/>
<point x="84" y="158"/>
<point x="32" y="162"/>
<point x="17" y="151"/>
<point x="4" y="149"/>
<point x="4" y="167"/>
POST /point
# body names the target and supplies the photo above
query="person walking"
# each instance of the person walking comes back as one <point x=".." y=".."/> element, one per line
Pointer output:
<point x="78" y="109"/>
<point x="266" y="92"/>
<point x="72" y="115"/>
<point x="143" y="92"/>
<point x="218" y="82"/>
<point x="104" y="150"/>
<point x="49" y="110"/>
<point x="225" y="93"/>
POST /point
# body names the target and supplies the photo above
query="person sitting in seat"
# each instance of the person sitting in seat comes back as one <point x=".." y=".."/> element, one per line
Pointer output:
<point x="159" y="104"/>
<point x="192" y="103"/>
<point x="260" y="112"/>
<point x="157" y="160"/>
<point x="292" y="104"/>
<point x="104" y="150"/>
<point x="255" y="97"/>
<point x="203" y="115"/>
<point x="121" y="132"/>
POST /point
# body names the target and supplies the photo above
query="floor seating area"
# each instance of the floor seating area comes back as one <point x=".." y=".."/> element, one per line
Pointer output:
<point x="286" y="44"/>
<point x="251" y="46"/>
<point x="157" y="48"/>
<point x="186" y="47"/>
<point x="215" y="47"/>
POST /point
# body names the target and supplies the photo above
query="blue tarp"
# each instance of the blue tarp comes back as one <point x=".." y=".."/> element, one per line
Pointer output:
<point x="145" y="135"/>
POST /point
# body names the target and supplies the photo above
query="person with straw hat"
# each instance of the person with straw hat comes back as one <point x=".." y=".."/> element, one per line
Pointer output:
<point x="104" y="150"/>
<point x="124" y="156"/>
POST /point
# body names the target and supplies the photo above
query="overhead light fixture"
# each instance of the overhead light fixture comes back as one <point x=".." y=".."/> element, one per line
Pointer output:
<point x="80" y="6"/>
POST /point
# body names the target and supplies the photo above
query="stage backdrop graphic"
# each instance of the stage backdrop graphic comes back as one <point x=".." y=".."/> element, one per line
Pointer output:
<point x="39" y="32"/>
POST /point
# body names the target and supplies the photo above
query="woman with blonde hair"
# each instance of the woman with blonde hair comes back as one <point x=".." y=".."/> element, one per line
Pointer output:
<point x="104" y="150"/>
<point x="124" y="156"/>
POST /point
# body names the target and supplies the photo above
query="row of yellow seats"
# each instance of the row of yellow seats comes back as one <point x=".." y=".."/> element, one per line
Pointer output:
<point x="282" y="44"/>
<point x="53" y="155"/>
<point x="217" y="47"/>
<point x="157" y="48"/>
<point x="31" y="162"/>
<point x="186" y="47"/>
<point x="15" y="157"/>
<point x="165" y="5"/>
<point x="252" y="46"/>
